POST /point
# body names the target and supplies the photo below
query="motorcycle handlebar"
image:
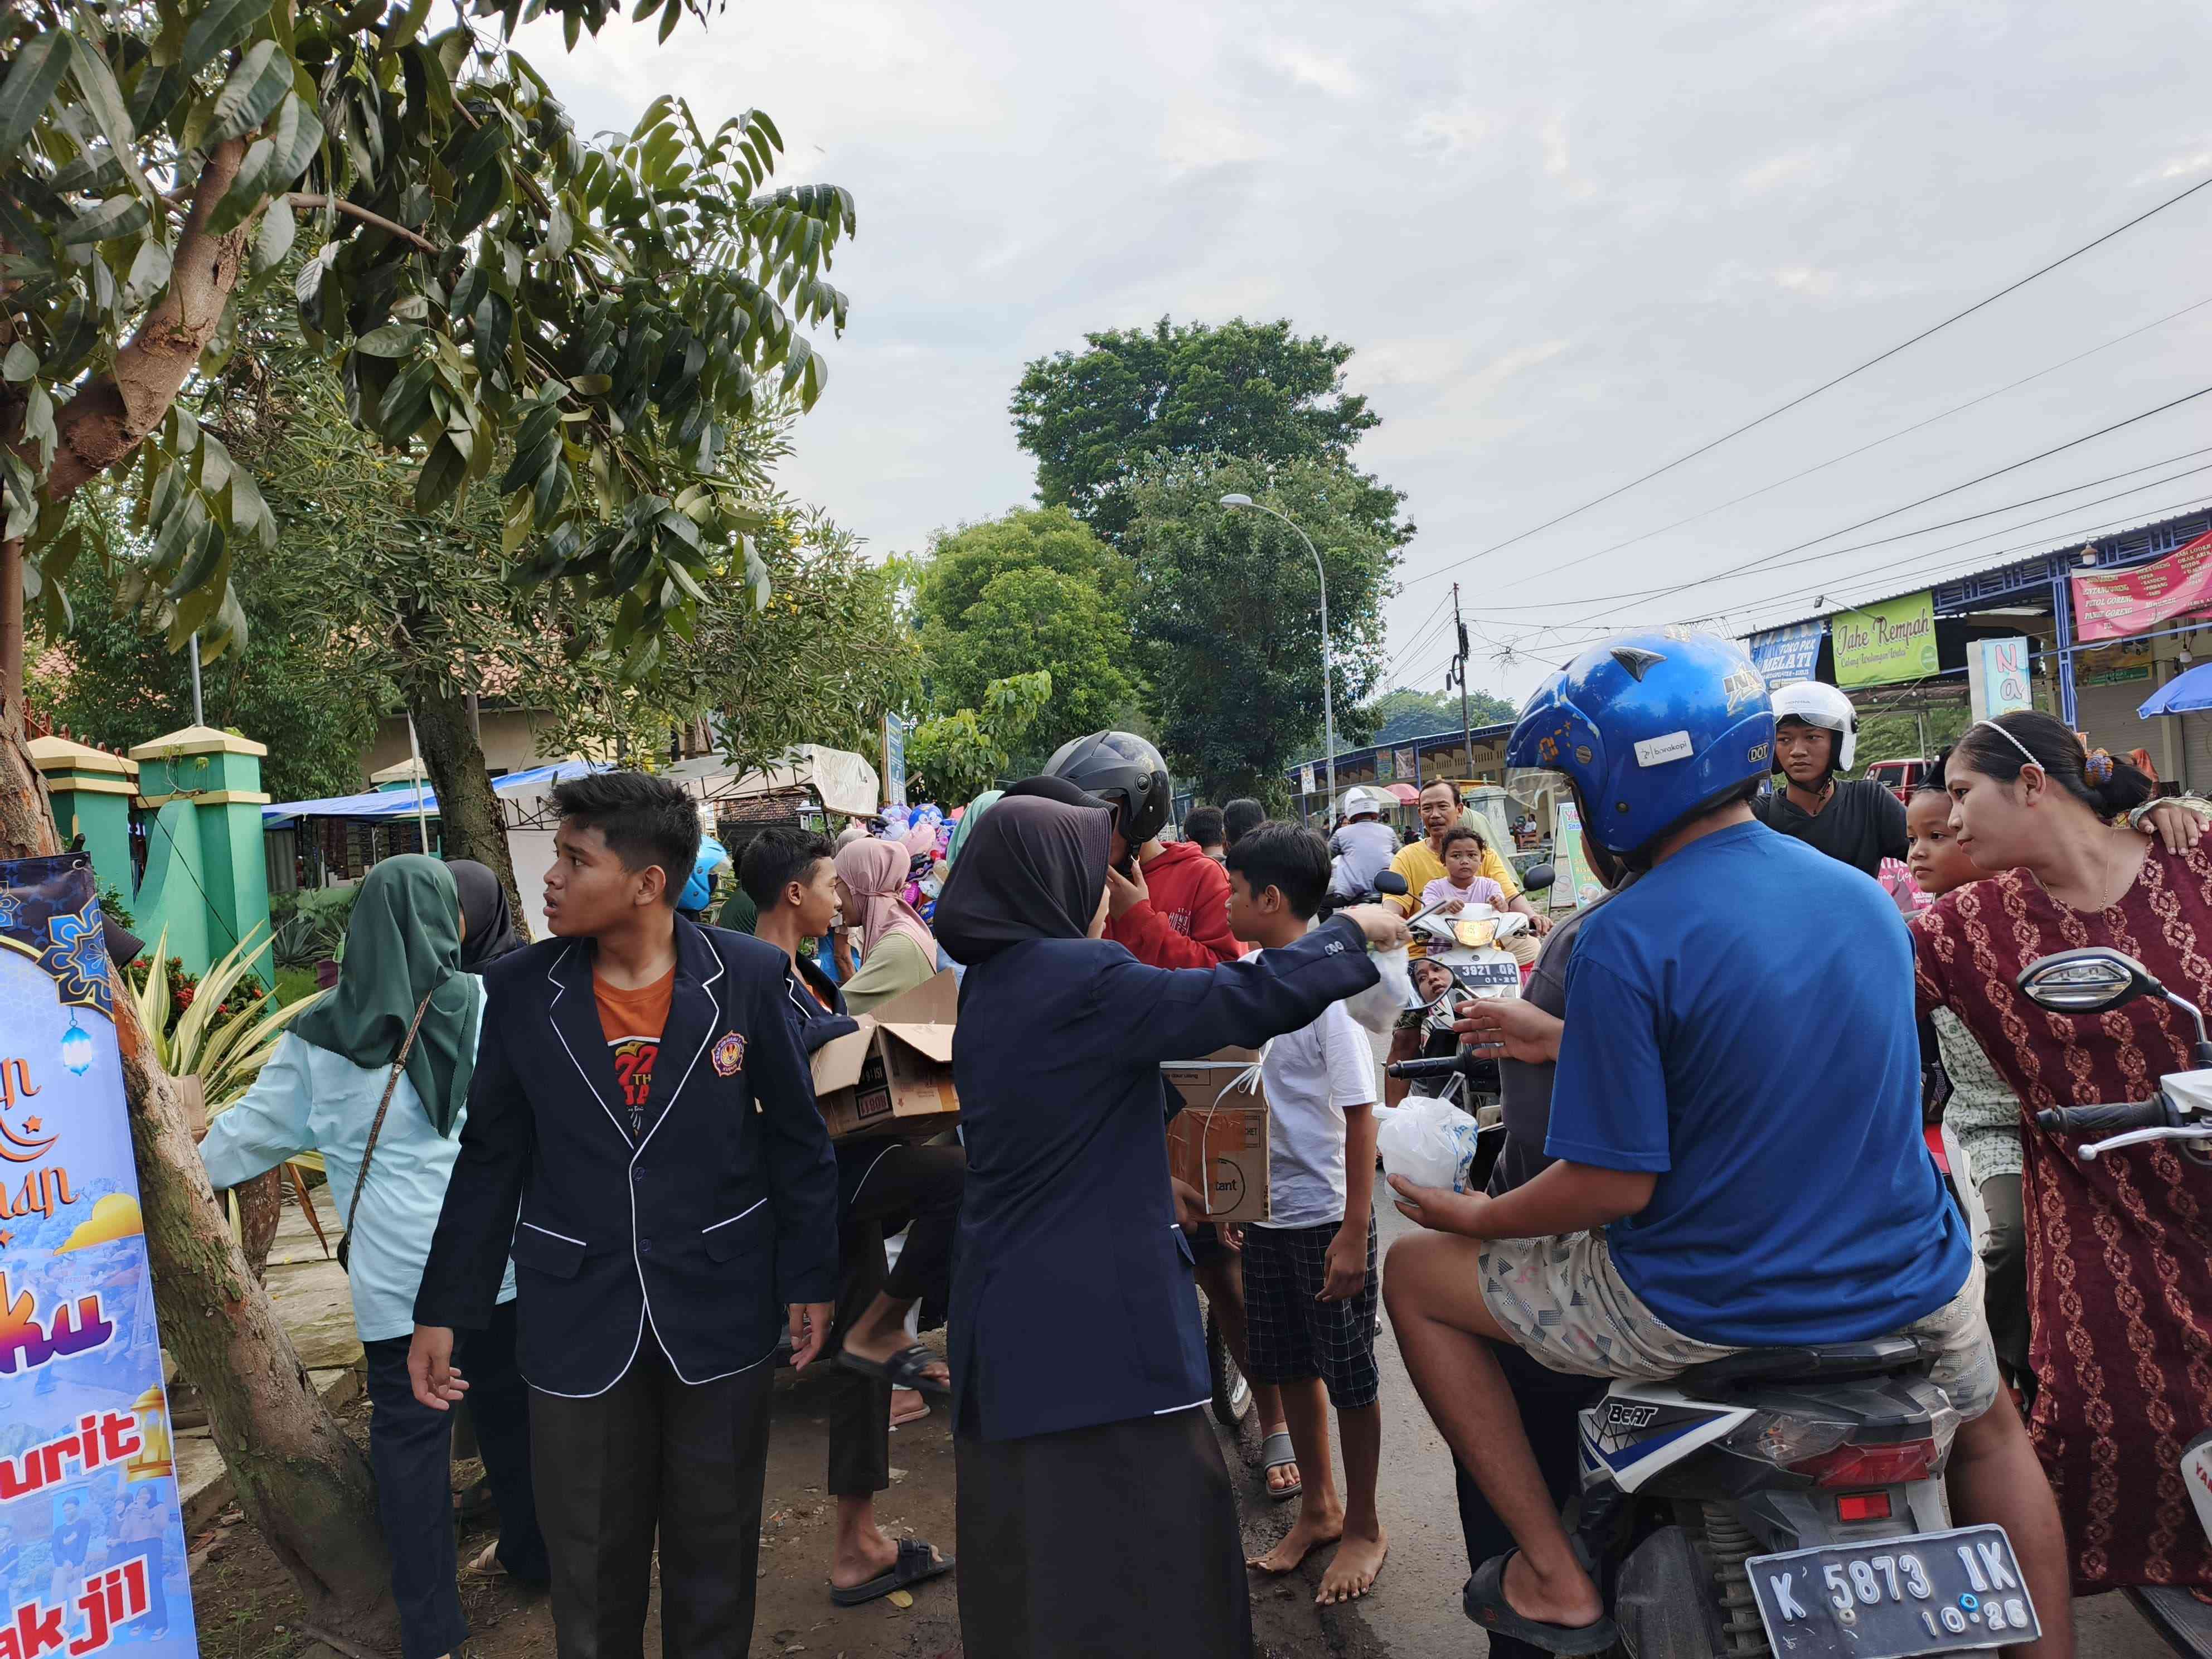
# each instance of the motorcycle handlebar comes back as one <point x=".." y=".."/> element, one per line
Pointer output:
<point x="2101" y="1119"/>
<point x="1463" y="1062"/>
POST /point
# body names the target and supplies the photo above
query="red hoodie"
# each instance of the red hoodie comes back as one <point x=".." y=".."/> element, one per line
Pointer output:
<point x="1185" y="923"/>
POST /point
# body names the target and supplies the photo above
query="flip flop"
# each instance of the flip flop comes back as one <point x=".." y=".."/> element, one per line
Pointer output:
<point x="1483" y="1601"/>
<point x="1275" y="1453"/>
<point x="917" y="1564"/>
<point x="907" y="1369"/>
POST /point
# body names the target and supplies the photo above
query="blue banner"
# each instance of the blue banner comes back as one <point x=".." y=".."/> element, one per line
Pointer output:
<point x="1784" y="654"/>
<point x="92" y="1544"/>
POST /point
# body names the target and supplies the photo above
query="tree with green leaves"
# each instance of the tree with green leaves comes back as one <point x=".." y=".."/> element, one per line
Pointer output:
<point x="1229" y="613"/>
<point x="1420" y="713"/>
<point x="579" y="327"/>
<point x="956" y="757"/>
<point x="1032" y="590"/>
<point x="1094" y="418"/>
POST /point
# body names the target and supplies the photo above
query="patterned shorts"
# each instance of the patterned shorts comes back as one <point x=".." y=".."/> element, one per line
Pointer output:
<point x="1563" y="1301"/>
<point x="1290" y="1335"/>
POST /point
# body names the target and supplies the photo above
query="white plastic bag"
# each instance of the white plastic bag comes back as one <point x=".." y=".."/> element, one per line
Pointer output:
<point x="1430" y="1142"/>
<point x="1378" y="1006"/>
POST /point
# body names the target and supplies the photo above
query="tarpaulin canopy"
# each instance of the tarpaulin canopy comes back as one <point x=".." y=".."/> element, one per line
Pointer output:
<point x="2182" y="693"/>
<point x="1405" y="792"/>
<point x="387" y="804"/>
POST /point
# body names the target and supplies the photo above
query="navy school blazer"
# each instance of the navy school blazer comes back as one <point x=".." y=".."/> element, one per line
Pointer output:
<point x="723" y="1212"/>
<point x="1072" y="1300"/>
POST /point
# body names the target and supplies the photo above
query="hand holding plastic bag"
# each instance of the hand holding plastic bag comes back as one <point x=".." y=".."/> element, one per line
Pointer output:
<point x="1378" y="1006"/>
<point x="1430" y="1142"/>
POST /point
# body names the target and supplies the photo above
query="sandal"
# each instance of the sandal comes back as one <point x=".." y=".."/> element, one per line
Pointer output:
<point x="1275" y="1453"/>
<point x="907" y="1369"/>
<point x="1483" y="1601"/>
<point x="917" y="1564"/>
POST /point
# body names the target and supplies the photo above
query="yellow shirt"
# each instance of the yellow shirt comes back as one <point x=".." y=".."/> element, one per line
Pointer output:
<point x="1420" y="867"/>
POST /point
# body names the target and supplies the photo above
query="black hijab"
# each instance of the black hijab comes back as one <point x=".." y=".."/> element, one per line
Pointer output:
<point x="1034" y="868"/>
<point x="483" y="907"/>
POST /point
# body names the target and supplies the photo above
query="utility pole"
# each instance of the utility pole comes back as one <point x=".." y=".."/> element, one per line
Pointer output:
<point x="1459" y="667"/>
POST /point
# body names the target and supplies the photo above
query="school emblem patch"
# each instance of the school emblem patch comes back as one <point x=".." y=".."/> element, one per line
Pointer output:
<point x="730" y="1054"/>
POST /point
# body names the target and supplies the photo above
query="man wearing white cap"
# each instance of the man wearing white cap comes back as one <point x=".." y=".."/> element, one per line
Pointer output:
<point x="1362" y="849"/>
<point x="1855" y="821"/>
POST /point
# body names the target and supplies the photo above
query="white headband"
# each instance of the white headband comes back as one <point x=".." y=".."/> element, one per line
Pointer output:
<point x="2006" y="735"/>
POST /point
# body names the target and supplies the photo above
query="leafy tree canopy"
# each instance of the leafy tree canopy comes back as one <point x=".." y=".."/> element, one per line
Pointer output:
<point x="956" y="756"/>
<point x="1093" y="418"/>
<point x="1034" y="590"/>
<point x="1228" y="616"/>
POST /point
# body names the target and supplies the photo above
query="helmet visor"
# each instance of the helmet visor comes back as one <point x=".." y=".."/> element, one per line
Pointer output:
<point x="1534" y="789"/>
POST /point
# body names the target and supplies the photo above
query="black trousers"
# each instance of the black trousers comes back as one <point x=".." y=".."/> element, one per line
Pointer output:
<point x="654" y="1454"/>
<point x="411" y="1450"/>
<point x="901" y="1185"/>
<point x="1548" y="1400"/>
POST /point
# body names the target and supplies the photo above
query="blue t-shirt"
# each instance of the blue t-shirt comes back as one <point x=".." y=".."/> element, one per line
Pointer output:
<point x="1739" y="1022"/>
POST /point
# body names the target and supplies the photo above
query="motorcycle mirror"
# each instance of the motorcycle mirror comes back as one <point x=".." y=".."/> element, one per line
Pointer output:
<point x="2086" y="981"/>
<point x="1391" y="883"/>
<point x="1539" y="876"/>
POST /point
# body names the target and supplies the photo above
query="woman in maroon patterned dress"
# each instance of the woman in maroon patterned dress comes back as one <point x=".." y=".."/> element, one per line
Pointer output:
<point x="2119" y="1250"/>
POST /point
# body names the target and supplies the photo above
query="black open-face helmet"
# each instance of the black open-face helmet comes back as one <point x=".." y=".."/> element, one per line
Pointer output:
<point x="1124" y="772"/>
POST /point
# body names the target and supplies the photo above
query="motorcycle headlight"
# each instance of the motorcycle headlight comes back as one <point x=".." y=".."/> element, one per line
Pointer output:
<point x="1473" y="935"/>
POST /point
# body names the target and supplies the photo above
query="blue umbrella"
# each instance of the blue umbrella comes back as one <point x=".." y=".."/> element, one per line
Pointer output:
<point x="2181" y="693"/>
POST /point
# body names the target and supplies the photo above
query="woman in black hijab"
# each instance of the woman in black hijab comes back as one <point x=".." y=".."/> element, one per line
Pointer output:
<point x="487" y="923"/>
<point x="1094" y="1512"/>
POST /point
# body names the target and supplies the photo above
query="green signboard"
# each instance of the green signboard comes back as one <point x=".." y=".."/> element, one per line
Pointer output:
<point x="1885" y="643"/>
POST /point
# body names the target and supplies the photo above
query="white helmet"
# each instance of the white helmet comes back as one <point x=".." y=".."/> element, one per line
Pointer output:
<point x="1817" y="703"/>
<point x="1358" y="802"/>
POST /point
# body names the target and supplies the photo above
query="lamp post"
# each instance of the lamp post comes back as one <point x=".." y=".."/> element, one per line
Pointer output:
<point x="1327" y="701"/>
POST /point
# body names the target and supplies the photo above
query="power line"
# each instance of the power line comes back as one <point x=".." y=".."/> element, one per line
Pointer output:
<point x="1851" y="455"/>
<point x="2045" y="455"/>
<point x="1826" y="386"/>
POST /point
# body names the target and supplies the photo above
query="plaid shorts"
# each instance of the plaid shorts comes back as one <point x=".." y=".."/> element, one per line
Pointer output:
<point x="1290" y="1335"/>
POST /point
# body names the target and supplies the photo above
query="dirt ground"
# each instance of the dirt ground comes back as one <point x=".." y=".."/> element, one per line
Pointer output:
<point x="247" y="1609"/>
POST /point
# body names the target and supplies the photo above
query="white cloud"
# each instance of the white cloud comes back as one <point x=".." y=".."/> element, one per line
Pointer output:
<point x="1309" y="66"/>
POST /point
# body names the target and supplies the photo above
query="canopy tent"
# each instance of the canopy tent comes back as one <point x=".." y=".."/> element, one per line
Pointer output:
<point x="2183" y="694"/>
<point x="404" y="802"/>
<point x="1404" y="794"/>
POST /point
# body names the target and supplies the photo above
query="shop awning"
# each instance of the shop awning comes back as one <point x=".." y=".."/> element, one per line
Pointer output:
<point x="387" y="804"/>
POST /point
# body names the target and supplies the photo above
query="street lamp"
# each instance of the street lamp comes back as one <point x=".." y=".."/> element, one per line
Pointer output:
<point x="1328" y="702"/>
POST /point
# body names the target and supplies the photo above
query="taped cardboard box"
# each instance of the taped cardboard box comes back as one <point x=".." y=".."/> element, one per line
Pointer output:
<point x="894" y="1075"/>
<point x="1218" y="1142"/>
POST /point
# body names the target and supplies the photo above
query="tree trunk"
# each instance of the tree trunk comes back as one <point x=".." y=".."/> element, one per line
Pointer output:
<point x="302" y="1483"/>
<point x="471" y="822"/>
<point x="260" y="1208"/>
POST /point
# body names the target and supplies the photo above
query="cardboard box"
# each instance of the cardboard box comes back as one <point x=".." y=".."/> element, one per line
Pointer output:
<point x="894" y="1075"/>
<point x="1218" y="1142"/>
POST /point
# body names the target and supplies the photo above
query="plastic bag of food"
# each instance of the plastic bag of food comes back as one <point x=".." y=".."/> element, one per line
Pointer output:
<point x="1430" y="1142"/>
<point x="1378" y="1006"/>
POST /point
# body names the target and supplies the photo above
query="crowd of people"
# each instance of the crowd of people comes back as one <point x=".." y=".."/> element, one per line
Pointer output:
<point x="587" y="1191"/>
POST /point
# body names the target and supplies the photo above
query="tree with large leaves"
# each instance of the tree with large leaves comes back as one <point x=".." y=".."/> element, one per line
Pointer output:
<point x="1032" y="590"/>
<point x="578" y="327"/>
<point x="1228" y="612"/>
<point x="1093" y="418"/>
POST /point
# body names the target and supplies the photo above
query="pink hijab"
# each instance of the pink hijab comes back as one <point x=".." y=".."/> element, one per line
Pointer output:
<point x="875" y="870"/>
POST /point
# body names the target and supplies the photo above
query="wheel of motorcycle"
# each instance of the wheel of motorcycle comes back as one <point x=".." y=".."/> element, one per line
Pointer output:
<point x="1232" y="1394"/>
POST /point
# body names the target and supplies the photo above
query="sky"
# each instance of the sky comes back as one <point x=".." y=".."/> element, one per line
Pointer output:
<point x="1570" y="243"/>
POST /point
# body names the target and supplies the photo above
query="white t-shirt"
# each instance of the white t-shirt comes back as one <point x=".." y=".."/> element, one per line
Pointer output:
<point x="1311" y="1075"/>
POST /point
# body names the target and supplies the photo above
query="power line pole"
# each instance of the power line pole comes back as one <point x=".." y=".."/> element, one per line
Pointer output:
<point x="1459" y="667"/>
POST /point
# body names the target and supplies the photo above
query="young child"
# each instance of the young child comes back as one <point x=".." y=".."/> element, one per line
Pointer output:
<point x="1309" y="1279"/>
<point x="1464" y="883"/>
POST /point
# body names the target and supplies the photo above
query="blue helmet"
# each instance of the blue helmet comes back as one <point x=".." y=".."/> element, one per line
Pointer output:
<point x="1650" y="726"/>
<point x="700" y="888"/>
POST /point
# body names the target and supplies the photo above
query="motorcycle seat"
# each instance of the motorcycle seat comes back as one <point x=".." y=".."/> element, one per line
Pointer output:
<point x="1823" y="1361"/>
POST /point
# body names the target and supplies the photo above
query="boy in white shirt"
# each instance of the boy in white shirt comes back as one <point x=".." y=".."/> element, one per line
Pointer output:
<point x="1309" y="1279"/>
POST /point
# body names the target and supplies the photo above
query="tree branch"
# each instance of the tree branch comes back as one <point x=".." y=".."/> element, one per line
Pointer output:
<point x="300" y="198"/>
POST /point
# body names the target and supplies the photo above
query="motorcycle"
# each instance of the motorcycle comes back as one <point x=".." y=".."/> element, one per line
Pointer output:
<point x="2091" y="980"/>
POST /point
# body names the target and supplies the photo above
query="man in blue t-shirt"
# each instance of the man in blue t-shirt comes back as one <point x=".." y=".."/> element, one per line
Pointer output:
<point x="1704" y="1201"/>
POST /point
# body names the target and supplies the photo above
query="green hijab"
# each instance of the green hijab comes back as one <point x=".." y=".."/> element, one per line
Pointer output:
<point x="403" y="944"/>
<point x="982" y="804"/>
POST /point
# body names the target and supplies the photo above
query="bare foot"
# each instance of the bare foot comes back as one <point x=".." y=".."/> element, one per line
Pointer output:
<point x="1282" y="1478"/>
<point x="1571" y="1603"/>
<point x="907" y="1406"/>
<point x="1351" y="1571"/>
<point x="1306" y="1533"/>
<point x="486" y="1562"/>
<point x="856" y="1559"/>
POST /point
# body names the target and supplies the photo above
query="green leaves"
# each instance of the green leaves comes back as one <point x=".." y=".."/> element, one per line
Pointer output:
<point x="250" y="95"/>
<point x="222" y="25"/>
<point x="119" y="216"/>
<point x="32" y="80"/>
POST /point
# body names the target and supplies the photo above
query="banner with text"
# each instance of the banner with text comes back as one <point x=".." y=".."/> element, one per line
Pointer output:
<point x="1786" y="655"/>
<point x="1996" y="677"/>
<point x="91" y="1545"/>
<point x="1883" y="643"/>
<point x="2129" y="602"/>
<point x="894" y="736"/>
<point x="1577" y="884"/>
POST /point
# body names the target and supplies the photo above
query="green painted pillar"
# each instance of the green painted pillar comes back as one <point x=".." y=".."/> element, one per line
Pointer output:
<point x="221" y="867"/>
<point x="92" y="792"/>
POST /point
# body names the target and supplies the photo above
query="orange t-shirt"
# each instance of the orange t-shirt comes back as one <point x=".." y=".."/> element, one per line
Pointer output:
<point x="633" y="1022"/>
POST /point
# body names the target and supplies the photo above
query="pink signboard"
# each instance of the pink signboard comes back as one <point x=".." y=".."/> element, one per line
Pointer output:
<point x="2127" y="603"/>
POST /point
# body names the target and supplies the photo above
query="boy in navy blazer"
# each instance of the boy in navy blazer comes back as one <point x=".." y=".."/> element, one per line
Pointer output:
<point x="642" y="1136"/>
